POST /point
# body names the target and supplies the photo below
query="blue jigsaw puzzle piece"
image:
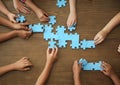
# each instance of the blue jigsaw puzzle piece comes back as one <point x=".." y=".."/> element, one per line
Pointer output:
<point x="83" y="61"/>
<point x="36" y="27"/>
<point x="61" y="3"/>
<point x="73" y="27"/>
<point x="62" y="43"/>
<point x="87" y="44"/>
<point x="52" y="44"/>
<point x="97" y="66"/>
<point x="52" y="20"/>
<point x="75" y="41"/>
<point x="60" y="33"/>
<point x="48" y="34"/>
<point x="21" y="18"/>
<point x="89" y="66"/>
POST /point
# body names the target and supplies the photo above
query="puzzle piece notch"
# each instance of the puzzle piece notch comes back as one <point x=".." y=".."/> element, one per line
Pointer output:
<point x="36" y="27"/>
<point x="20" y="18"/>
<point x="73" y="27"/>
<point x="61" y="3"/>
<point x="87" y="44"/>
<point x="91" y="65"/>
<point x="52" y="20"/>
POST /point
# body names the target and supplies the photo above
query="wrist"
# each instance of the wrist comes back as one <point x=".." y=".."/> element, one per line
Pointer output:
<point x="112" y="75"/>
<point x="49" y="63"/>
<point x="76" y="77"/>
<point x="16" y="32"/>
<point x="12" y="67"/>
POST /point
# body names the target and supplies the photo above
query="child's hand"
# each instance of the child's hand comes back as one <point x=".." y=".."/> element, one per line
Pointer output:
<point x="76" y="68"/>
<point x="99" y="37"/>
<point x="20" y="7"/>
<point x="119" y="48"/>
<point x="52" y="55"/>
<point x="107" y="69"/>
<point x="12" y="17"/>
<point x="24" y="34"/>
<point x="71" y="19"/>
<point x="23" y="64"/>
<point x="42" y="15"/>
<point x="21" y="26"/>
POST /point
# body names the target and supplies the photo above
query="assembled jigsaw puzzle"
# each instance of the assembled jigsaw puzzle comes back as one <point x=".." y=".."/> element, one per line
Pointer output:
<point x="61" y="37"/>
<point x="91" y="65"/>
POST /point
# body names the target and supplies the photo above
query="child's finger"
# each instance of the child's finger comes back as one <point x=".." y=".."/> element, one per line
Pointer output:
<point x="48" y="50"/>
<point x="53" y="51"/>
<point x="26" y="9"/>
<point x="25" y="58"/>
<point x="56" y="51"/>
<point x="17" y="10"/>
<point x="26" y="69"/>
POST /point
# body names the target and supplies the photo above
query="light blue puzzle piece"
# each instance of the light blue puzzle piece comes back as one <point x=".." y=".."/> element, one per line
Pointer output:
<point x="52" y="43"/>
<point x="97" y="66"/>
<point x="52" y="20"/>
<point x="87" y="44"/>
<point x="75" y="41"/>
<point x="88" y="66"/>
<point x="36" y="27"/>
<point x="83" y="61"/>
<point x="48" y="34"/>
<point x="91" y="65"/>
<point x="73" y="27"/>
<point x="21" y="18"/>
<point x="61" y="3"/>
<point x="62" y="44"/>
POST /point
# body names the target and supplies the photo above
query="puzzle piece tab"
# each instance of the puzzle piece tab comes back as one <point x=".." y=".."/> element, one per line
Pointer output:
<point x="21" y="18"/>
<point x="61" y="3"/>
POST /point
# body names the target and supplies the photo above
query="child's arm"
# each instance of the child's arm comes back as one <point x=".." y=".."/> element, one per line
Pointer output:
<point x="107" y="70"/>
<point x="20" y="7"/>
<point x="51" y="58"/>
<point x="42" y="15"/>
<point x="10" y="15"/>
<point x="21" y="65"/>
<point x="72" y="18"/>
<point x="20" y="33"/>
<point x="16" y="26"/>
<point x="76" y="73"/>
<point x="100" y="36"/>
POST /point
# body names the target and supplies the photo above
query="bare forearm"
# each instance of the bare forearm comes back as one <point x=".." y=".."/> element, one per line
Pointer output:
<point x="6" y="69"/>
<point x="44" y="75"/>
<point x="77" y="80"/>
<point x="113" y="22"/>
<point x="72" y="6"/>
<point x="31" y="5"/>
<point x="115" y="79"/>
<point x="3" y="8"/>
<point x="6" y="22"/>
<point x="6" y="36"/>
